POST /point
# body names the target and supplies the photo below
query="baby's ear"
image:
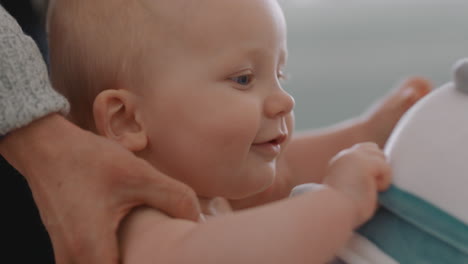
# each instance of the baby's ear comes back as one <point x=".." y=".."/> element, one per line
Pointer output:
<point x="117" y="118"/>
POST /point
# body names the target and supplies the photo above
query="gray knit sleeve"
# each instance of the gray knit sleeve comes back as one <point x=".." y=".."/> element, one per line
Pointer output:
<point x="25" y="90"/>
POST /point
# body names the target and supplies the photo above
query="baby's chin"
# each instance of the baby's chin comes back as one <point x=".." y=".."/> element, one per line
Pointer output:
<point x="238" y="185"/>
<point x="250" y="188"/>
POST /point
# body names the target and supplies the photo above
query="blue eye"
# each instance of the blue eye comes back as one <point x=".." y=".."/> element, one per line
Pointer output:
<point x="242" y="79"/>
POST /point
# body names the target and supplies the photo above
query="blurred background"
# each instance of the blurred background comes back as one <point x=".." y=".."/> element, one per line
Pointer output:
<point x="345" y="54"/>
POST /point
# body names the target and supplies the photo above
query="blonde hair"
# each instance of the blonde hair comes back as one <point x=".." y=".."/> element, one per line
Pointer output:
<point x="95" y="45"/>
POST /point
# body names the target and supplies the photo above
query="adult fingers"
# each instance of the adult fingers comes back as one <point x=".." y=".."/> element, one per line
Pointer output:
<point x="159" y="191"/>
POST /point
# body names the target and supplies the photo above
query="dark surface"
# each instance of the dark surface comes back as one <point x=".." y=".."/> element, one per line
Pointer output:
<point x="24" y="238"/>
<point x="31" y="22"/>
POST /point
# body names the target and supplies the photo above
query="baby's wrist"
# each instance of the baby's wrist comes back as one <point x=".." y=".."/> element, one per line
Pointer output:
<point x="360" y="129"/>
<point x="349" y="205"/>
<point x="371" y="130"/>
<point x="364" y="129"/>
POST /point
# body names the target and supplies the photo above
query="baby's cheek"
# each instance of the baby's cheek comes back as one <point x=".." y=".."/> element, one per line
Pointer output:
<point x="290" y="122"/>
<point x="238" y="131"/>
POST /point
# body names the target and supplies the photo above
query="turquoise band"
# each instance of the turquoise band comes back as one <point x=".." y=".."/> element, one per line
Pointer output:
<point x="411" y="230"/>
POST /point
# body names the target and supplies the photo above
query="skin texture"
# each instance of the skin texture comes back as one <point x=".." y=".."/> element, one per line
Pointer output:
<point x="227" y="116"/>
<point x="215" y="117"/>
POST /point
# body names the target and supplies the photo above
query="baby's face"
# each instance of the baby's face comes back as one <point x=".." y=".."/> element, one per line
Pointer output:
<point x="216" y="115"/>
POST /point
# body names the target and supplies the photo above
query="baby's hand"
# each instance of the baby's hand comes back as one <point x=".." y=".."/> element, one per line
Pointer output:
<point x="358" y="173"/>
<point x="382" y="117"/>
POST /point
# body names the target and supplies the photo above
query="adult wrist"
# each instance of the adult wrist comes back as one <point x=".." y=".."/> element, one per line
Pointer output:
<point x="36" y="142"/>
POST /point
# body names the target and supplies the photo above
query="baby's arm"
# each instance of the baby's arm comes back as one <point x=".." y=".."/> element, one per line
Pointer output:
<point x="302" y="230"/>
<point x="306" y="229"/>
<point x="308" y="153"/>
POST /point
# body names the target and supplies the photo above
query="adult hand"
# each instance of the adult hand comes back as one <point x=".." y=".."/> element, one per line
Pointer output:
<point x="84" y="185"/>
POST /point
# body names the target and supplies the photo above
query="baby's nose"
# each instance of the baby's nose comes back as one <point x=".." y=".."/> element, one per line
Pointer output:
<point x="278" y="104"/>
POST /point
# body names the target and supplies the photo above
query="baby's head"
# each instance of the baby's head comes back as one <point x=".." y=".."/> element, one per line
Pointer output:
<point x="191" y="86"/>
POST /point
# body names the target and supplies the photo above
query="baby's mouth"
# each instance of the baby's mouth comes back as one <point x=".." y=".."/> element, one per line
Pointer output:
<point x="279" y="139"/>
<point x="270" y="148"/>
<point x="275" y="141"/>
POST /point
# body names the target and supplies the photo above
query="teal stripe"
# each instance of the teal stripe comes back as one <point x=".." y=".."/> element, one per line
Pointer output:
<point x="426" y="217"/>
<point x="412" y="230"/>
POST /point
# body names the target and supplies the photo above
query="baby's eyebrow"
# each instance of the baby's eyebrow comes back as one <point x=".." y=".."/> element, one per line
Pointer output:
<point x="260" y="52"/>
<point x="254" y="55"/>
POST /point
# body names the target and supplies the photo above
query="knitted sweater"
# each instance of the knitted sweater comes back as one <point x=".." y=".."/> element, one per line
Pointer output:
<point x="25" y="90"/>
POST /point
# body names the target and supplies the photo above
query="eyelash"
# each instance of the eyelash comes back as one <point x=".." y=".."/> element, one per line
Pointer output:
<point x="250" y="77"/>
<point x="242" y="77"/>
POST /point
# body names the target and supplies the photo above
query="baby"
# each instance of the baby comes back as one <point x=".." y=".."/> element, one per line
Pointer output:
<point x="194" y="88"/>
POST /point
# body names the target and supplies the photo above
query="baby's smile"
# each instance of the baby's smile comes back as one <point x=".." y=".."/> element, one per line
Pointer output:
<point x="270" y="148"/>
